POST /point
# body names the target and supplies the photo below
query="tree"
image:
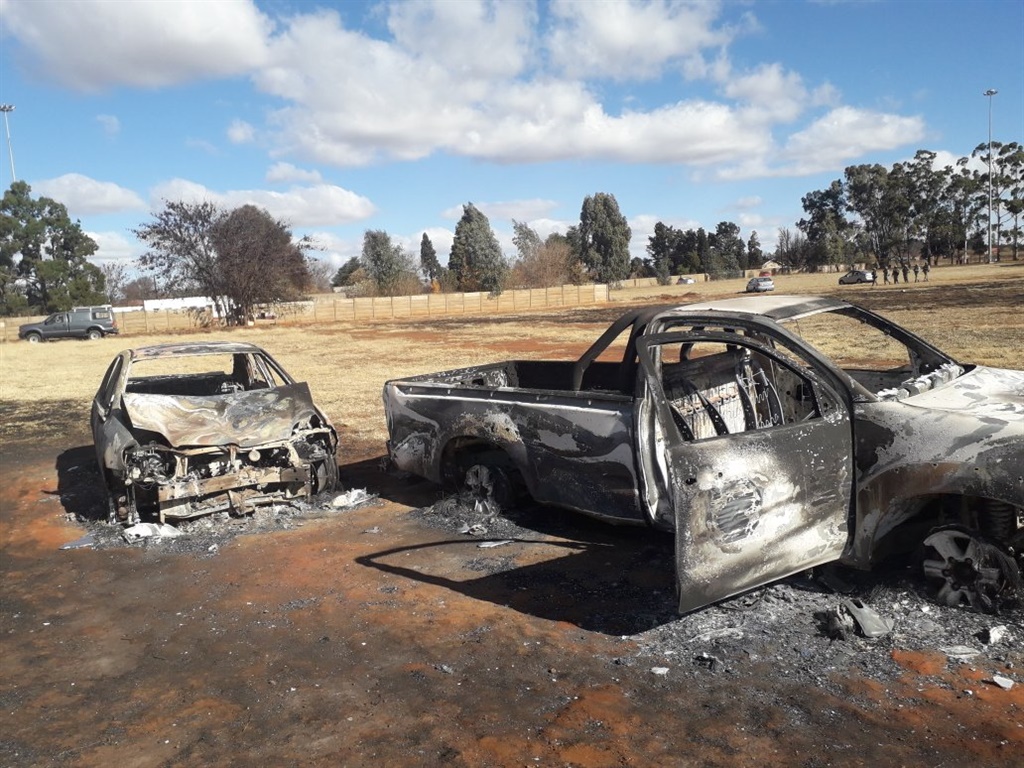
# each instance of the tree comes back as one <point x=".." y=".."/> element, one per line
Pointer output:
<point x="828" y="231"/>
<point x="730" y="250"/>
<point x="1009" y="188"/>
<point x="662" y="247"/>
<point x="476" y="259"/>
<point x="44" y="263"/>
<point x="345" y="272"/>
<point x="141" y="288"/>
<point x="181" y="252"/>
<point x="319" y="275"/>
<point x="755" y="256"/>
<point x="429" y="265"/>
<point x="882" y="201"/>
<point x="603" y="237"/>
<point x="115" y="276"/>
<point x="237" y="258"/>
<point x="540" y="264"/>
<point x="257" y="261"/>
<point x="388" y="264"/>
<point x="791" y="248"/>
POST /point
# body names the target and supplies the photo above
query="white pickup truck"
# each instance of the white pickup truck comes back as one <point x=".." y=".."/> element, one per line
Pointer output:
<point x="770" y="433"/>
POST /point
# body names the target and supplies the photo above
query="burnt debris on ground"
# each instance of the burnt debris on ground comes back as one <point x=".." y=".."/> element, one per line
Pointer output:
<point x="811" y="626"/>
<point x="85" y="503"/>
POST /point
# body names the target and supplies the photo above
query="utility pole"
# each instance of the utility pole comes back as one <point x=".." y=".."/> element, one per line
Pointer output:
<point x="6" y="109"/>
<point x="990" y="93"/>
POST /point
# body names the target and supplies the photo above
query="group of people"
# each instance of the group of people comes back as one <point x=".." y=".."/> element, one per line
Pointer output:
<point x="906" y="270"/>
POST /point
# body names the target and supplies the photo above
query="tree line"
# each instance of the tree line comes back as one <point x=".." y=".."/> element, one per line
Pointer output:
<point x="243" y="258"/>
<point x="889" y="216"/>
<point x="595" y="249"/>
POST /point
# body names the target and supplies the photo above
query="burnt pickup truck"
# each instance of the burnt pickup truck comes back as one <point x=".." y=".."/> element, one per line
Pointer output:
<point x="770" y="433"/>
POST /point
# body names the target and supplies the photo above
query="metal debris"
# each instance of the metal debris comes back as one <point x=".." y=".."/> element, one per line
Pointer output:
<point x="1003" y="682"/>
<point x="870" y="623"/>
<point x="353" y="498"/>
<point x="87" y="541"/>
<point x="150" y="531"/>
<point x="960" y="652"/>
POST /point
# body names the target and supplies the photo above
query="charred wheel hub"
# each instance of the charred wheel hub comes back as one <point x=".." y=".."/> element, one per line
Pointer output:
<point x="968" y="569"/>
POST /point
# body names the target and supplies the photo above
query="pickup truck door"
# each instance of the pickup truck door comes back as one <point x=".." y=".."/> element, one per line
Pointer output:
<point x="760" y="487"/>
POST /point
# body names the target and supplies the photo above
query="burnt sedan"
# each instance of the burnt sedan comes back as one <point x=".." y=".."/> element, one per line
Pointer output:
<point x="184" y="430"/>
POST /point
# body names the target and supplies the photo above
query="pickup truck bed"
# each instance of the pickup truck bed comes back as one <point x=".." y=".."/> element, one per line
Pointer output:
<point x="529" y="409"/>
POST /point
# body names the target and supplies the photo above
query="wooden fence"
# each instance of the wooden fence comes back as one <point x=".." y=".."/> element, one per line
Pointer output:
<point x="329" y="309"/>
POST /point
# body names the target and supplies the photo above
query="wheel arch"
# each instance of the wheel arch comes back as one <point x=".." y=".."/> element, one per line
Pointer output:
<point x="919" y="515"/>
<point x="463" y="451"/>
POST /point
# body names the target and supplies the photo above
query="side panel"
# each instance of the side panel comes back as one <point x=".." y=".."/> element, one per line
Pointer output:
<point x="572" y="451"/>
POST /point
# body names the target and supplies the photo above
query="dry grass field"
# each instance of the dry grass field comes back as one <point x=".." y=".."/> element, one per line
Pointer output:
<point x="974" y="313"/>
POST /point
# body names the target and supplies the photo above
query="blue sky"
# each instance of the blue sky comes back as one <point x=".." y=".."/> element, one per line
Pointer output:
<point x="343" y="117"/>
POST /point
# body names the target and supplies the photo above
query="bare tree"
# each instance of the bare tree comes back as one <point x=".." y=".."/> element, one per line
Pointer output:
<point x="539" y="264"/>
<point x="116" y="275"/>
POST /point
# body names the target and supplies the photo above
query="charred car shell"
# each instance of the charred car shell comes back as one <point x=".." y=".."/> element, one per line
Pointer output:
<point x="771" y="433"/>
<point x="184" y="430"/>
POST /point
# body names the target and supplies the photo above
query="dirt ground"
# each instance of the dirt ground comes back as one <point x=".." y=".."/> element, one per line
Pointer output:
<point x="381" y="635"/>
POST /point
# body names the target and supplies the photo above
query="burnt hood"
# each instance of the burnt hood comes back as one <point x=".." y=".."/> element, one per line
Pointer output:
<point x="246" y="419"/>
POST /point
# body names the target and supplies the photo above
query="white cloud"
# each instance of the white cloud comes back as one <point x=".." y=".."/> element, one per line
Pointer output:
<point x="632" y="39"/>
<point x="356" y="100"/>
<point x="84" y="196"/>
<point x="286" y="172"/>
<point x="771" y="93"/>
<point x="241" y="132"/>
<point x="492" y="81"/>
<point x="314" y="206"/>
<point x="202" y="145"/>
<point x="114" y="247"/>
<point x="469" y="38"/>
<point x="110" y="124"/>
<point x="545" y="227"/>
<point x="333" y="249"/>
<point x="94" y="44"/>
<point x="753" y="201"/>
<point x="181" y="189"/>
<point x="846" y="133"/>
<point x="520" y="210"/>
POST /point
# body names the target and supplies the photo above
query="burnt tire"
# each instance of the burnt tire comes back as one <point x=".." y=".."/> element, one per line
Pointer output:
<point x="968" y="570"/>
<point x="494" y="483"/>
<point x="325" y="474"/>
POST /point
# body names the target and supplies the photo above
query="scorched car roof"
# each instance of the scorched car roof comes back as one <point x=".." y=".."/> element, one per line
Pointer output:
<point x="191" y="349"/>
<point x="774" y="307"/>
<point x="778" y="308"/>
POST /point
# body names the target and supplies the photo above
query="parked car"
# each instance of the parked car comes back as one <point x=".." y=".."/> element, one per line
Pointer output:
<point x="685" y="281"/>
<point x="772" y="434"/>
<point x="855" y="276"/>
<point x="183" y="430"/>
<point x="80" y="323"/>
<point x="760" y="285"/>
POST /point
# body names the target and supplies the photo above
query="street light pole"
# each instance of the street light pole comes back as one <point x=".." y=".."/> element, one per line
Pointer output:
<point x="6" y="109"/>
<point x="990" y="93"/>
